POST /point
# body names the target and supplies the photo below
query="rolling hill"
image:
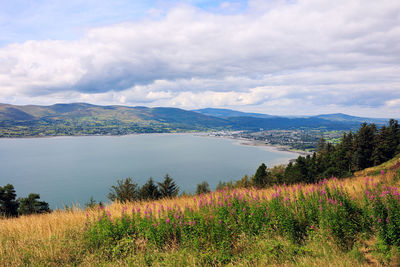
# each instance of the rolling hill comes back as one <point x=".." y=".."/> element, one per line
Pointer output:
<point x="88" y="119"/>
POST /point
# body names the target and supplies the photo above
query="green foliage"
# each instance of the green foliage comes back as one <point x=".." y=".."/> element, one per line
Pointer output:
<point x="93" y="203"/>
<point x="8" y="203"/>
<point x="31" y="205"/>
<point x="224" y="185"/>
<point x="125" y="190"/>
<point x="168" y="187"/>
<point x="225" y="217"/>
<point x="12" y="207"/>
<point x="203" y="188"/>
<point x="261" y="177"/>
<point x="356" y="151"/>
<point x="149" y="191"/>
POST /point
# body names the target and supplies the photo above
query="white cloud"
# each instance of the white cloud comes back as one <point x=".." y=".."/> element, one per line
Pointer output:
<point x="275" y="54"/>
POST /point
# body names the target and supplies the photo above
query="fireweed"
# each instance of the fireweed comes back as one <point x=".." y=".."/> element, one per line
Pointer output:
<point x="223" y="217"/>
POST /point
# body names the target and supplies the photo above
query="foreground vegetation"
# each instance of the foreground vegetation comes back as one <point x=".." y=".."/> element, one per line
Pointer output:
<point x="354" y="221"/>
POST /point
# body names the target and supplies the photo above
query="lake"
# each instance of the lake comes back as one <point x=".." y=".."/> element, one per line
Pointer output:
<point x="65" y="170"/>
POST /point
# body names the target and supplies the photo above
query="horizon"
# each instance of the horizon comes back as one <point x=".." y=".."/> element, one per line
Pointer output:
<point x="249" y="56"/>
<point x="194" y="110"/>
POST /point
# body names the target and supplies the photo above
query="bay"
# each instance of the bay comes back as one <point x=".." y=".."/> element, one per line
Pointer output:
<point x="69" y="170"/>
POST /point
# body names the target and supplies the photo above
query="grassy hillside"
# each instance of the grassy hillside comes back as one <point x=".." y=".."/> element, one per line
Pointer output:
<point x="349" y="222"/>
<point x="87" y="119"/>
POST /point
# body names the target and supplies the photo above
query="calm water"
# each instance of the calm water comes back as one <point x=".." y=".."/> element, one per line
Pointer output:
<point x="65" y="170"/>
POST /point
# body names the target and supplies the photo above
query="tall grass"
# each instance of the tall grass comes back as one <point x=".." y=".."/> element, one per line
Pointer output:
<point x="299" y="224"/>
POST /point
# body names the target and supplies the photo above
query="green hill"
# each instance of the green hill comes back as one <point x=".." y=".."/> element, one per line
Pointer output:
<point x="87" y="119"/>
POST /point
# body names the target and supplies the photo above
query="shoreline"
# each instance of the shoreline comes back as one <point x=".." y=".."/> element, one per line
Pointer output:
<point x="261" y="144"/>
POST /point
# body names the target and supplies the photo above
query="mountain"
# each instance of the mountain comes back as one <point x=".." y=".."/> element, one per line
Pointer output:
<point x="88" y="119"/>
<point x="281" y="123"/>
<point x="227" y="113"/>
<point x="340" y="117"/>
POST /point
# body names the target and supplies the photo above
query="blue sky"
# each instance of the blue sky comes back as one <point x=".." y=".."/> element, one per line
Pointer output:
<point x="22" y="20"/>
<point x="271" y="56"/>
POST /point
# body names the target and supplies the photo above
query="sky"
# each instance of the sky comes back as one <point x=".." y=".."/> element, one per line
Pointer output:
<point x="280" y="57"/>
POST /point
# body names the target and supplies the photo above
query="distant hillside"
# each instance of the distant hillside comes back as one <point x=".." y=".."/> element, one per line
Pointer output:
<point x="226" y="113"/>
<point x="87" y="119"/>
<point x="340" y="117"/>
<point x="252" y="123"/>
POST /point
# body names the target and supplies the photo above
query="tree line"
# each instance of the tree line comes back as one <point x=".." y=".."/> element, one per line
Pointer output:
<point x="10" y="206"/>
<point x="368" y="147"/>
<point x="127" y="190"/>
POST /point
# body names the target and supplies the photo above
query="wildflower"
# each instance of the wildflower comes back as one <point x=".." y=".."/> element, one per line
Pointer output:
<point x="220" y="222"/>
<point x="341" y="204"/>
<point x="312" y="227"/>
<point x="382" y="172"/>
<point x="167" y="220"/>
<point x="379" y="220"/>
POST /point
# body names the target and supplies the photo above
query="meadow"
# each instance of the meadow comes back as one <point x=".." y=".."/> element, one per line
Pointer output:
<point x="336" y="222"/>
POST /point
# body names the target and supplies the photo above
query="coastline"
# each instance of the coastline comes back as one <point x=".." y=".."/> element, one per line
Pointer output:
<point x="248" y="142"/>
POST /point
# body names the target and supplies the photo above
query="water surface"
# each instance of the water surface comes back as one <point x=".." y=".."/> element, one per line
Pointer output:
<point x="65" y="170"/>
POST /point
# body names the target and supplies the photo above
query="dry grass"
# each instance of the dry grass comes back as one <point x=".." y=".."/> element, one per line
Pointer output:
<point x="47" y="239"/>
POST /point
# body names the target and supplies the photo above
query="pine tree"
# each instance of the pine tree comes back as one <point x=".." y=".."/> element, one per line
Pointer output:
<point x="168" y="188"/>
<point x="124" y="191"/>
<point x="365" y="145"/>
<point x="8" y="204"/>
<point x="31" y="205"/>
<point x="149" y="190"/>
<point x="262" y="177"/>
<point x="203" y="188"/>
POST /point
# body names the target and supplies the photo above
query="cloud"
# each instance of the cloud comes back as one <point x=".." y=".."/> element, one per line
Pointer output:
<point x="271" y="54"/>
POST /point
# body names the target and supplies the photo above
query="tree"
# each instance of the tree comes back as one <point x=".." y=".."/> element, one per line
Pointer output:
<point x="125" y="191"/>
<point x="365" y="145"/>
<point x="203" y="188"/>
<point x="149" y="190"/>
<point x="93" y="203"/>
<point x="168" y="188"/>
<point x="31" y="205"/>
<point x="222" y="185"/>
<point x="244" y="182"/>
<point x="8" y="204"/>
<point x="261" y="177"/>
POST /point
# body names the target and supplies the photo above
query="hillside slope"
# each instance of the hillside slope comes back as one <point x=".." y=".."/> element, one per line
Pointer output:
<point x="60" y="238"/>
<point x="87" y="119"/>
